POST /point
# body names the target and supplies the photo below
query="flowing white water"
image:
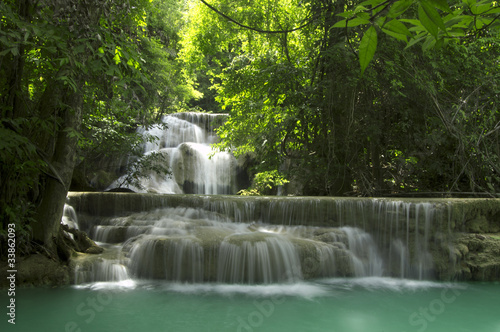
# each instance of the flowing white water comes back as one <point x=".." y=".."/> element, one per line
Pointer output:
<point x="185" y="139"/>
<point x="229" y="239"/>
<point x="69" y="217"/>
<point x="185" y="244"/>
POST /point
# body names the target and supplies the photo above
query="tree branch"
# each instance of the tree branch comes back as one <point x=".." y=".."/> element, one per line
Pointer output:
<point x="252" y="28"/>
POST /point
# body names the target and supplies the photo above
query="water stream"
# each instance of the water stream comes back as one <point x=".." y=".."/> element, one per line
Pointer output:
<point x="206" y="262"/>
<point x="192" y="244"/>
<point x="185" y="139"/>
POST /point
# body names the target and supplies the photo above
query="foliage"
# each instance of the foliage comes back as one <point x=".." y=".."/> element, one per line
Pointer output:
<point x="109" y="126"/>
<point x="336" y="96"/>
<point x="143" y="168"/>
<point x="263" y="183"/>
<point x="85" y="72"/>
<point x="436" y="23"/>
<point x="19" y="167"/>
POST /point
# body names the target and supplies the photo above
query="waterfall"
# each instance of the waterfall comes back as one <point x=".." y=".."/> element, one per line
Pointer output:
<point x="233" y="239"/>
<point x="201" y="232"/>
<point x="195" y="245"/>
<point x="185" y="139"/>
<point x="69" y="217"/>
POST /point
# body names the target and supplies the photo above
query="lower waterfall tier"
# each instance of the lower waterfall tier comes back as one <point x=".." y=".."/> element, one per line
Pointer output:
<point x="228" y="239"/>
<point x="193" y="245"/>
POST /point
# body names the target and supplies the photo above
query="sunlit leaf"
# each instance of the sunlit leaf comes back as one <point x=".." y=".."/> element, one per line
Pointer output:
<point x="367" y="48"/>
<point x="398" y="27"/>
<point x="395" y="35"/>
<point x="371" y="3"/>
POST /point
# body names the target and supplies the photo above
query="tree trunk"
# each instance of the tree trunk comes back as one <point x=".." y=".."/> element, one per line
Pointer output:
<point x="56" y="183"/>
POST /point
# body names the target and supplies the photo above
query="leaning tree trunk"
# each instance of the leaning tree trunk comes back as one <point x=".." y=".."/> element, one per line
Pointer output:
<point x="55" y="183"/>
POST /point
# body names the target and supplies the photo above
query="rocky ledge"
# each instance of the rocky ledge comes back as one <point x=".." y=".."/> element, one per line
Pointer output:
<point x="43" y="268"/>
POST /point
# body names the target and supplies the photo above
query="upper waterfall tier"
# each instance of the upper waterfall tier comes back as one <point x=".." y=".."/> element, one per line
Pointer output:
<point x="185" y="139"/>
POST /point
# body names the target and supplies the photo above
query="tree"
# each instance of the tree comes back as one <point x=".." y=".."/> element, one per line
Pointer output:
<point x="313" y="88"/>
<point x="64" y="64"/>
<point x="109" y="131"/>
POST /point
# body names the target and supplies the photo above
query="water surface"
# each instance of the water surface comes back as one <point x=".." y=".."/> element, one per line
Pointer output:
<point x="344" y="305"/>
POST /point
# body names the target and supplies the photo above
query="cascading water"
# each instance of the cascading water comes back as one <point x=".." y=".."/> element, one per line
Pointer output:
<point x="229" y="239"/>
<point x="230" y="263"/>
<point x="186" y="244"/>
<point x="185" y="139"/>
<point x="252" y="240"/>
<point x="69" y="217"/>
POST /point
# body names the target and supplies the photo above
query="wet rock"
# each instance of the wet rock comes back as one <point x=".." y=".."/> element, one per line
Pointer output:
<point x="480" y="259"/>
<point x="81" y="241"/>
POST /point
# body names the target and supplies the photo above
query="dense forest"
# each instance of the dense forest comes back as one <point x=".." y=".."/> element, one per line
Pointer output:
<point x="376" y="97"/>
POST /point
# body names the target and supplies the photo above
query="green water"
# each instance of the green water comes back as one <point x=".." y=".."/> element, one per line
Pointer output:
<point x="343" y="305"/>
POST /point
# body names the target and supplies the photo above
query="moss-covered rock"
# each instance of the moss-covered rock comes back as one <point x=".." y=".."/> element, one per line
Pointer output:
<point x="37" y="270"/>
<point x="469" y="257"/>
<point x="483" y="257"/>
<point x="82" y="242"/>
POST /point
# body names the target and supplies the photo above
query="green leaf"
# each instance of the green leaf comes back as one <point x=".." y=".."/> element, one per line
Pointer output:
<point x="79" y="49"/>
<point x="397" y="26"/>
<point x="4" y="52"/>
<point x="346" y="14"/>
<point x="381" y="21"/>
<point x="427" y="22"/>
<point x="351" y="23"/>
<point x="110" y="71"/>
<point x="360" y="9"/>
<point x="439" y="43"/>
<point x="395" y="35"/>
<point x="482" y="22"/>
<point x="452" y="21"/>
<point x="367" y="48"/>
<point x="480" y="7"/>
<point x="415" y="40"/>
<point x="432" y="14"/>
<point x="429" y="43"/>
<point x="457" y="33"/>
<point x="371" y="3"/>
<point x="398" y="8"/>
<point x="411" y="21"/>
<point x="357" y="21"/>
<point x="441" y="4"/>
<point x="364" y="15"/>
<point x="397" y="29"/>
